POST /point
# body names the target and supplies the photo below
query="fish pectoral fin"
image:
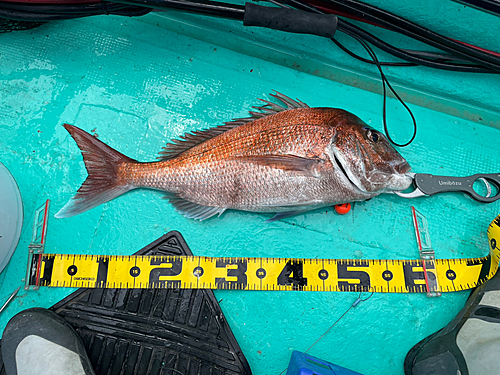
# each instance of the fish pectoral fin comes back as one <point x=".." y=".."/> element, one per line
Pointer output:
<point x="193" y="210"/>
<point x="287" y="163"/>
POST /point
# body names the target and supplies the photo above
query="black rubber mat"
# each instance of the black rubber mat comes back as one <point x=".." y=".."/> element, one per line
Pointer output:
<point x="141" y="331"/>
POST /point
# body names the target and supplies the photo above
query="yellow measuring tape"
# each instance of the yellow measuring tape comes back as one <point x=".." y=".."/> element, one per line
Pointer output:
<point x="325" y="275"/>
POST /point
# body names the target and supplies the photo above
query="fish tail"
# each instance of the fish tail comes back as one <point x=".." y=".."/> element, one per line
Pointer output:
<point x="103" y="183"/>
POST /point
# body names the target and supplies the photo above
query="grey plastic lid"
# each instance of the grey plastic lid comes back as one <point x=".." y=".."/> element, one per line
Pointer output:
<point x="11" y="216"/>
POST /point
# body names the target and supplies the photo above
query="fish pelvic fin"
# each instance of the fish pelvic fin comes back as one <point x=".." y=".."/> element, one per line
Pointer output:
<point x="284" y="215"/>
<point x="102" y="183"/>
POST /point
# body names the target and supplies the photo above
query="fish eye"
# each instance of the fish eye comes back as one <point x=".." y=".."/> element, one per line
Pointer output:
<point x="372" y="135"/>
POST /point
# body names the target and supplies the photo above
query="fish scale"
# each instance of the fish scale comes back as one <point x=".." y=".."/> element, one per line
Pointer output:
<point x="285" y="159"/>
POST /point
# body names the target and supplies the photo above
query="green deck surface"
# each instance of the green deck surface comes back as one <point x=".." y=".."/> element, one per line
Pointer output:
<point x="138" y="85"/>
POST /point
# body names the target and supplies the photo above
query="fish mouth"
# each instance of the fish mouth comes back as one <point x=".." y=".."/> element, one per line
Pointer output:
<point x="402" y="167"/>
<point x="403" y="181"/>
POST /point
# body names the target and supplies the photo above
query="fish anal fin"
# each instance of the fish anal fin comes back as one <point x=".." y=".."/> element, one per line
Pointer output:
<point x="193" y="210"/>
<point x="292" y="163"/>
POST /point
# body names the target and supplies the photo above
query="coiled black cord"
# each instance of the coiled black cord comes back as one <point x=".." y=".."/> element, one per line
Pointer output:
<point x="385" y="82"/>
<point x="352" y="32"/>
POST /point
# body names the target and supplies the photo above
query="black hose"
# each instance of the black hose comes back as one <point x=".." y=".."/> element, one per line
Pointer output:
<point x="49" y="12"/>
<point x="402" y="54"/>
<point x="417" y="32"/>
<point x="415" y="57"/>
<point x="224" y="10"/>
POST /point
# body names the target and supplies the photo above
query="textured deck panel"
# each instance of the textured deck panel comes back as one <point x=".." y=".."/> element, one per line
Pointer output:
<point x="154" y="332"/>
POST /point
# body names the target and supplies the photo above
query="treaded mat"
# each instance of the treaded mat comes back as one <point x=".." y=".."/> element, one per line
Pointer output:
<point x="142" y="331"/>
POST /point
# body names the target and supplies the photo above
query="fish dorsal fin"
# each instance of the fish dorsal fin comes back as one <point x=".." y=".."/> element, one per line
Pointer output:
<point x="270" y="108"/>
<point x="189" y="140"/>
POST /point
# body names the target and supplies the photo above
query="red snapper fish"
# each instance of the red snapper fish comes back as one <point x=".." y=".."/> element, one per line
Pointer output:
<point x="286" y="159"/>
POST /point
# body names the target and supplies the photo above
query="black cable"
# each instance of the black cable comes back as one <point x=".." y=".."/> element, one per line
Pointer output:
<point x="49" y="12"/>
<point x="349" y="52"/>
<point x="219" y="9"/>
<point x="385" y="81"/>
<point x="415" y="57"/>
<point x="37" y="17"/>
<point x="61" y="8"/>
<point x="415" y="31"/>
<point x="437" y="56"/>
<point x="346" y="27"/>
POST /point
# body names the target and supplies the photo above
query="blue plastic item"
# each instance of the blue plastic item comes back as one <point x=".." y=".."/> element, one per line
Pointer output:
<point x="305" y="364"/>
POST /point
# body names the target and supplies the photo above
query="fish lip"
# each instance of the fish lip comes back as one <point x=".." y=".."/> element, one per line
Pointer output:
<point x="403" y="168"/>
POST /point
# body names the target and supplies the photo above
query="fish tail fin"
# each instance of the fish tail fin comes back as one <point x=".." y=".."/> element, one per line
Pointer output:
<point x="102" y="184"/>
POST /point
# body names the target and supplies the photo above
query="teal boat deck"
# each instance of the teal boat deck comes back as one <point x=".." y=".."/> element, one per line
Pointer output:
<point x="138" y="83"/>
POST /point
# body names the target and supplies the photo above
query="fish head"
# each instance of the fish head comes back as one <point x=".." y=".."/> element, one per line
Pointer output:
<point x="367" y="158"/>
